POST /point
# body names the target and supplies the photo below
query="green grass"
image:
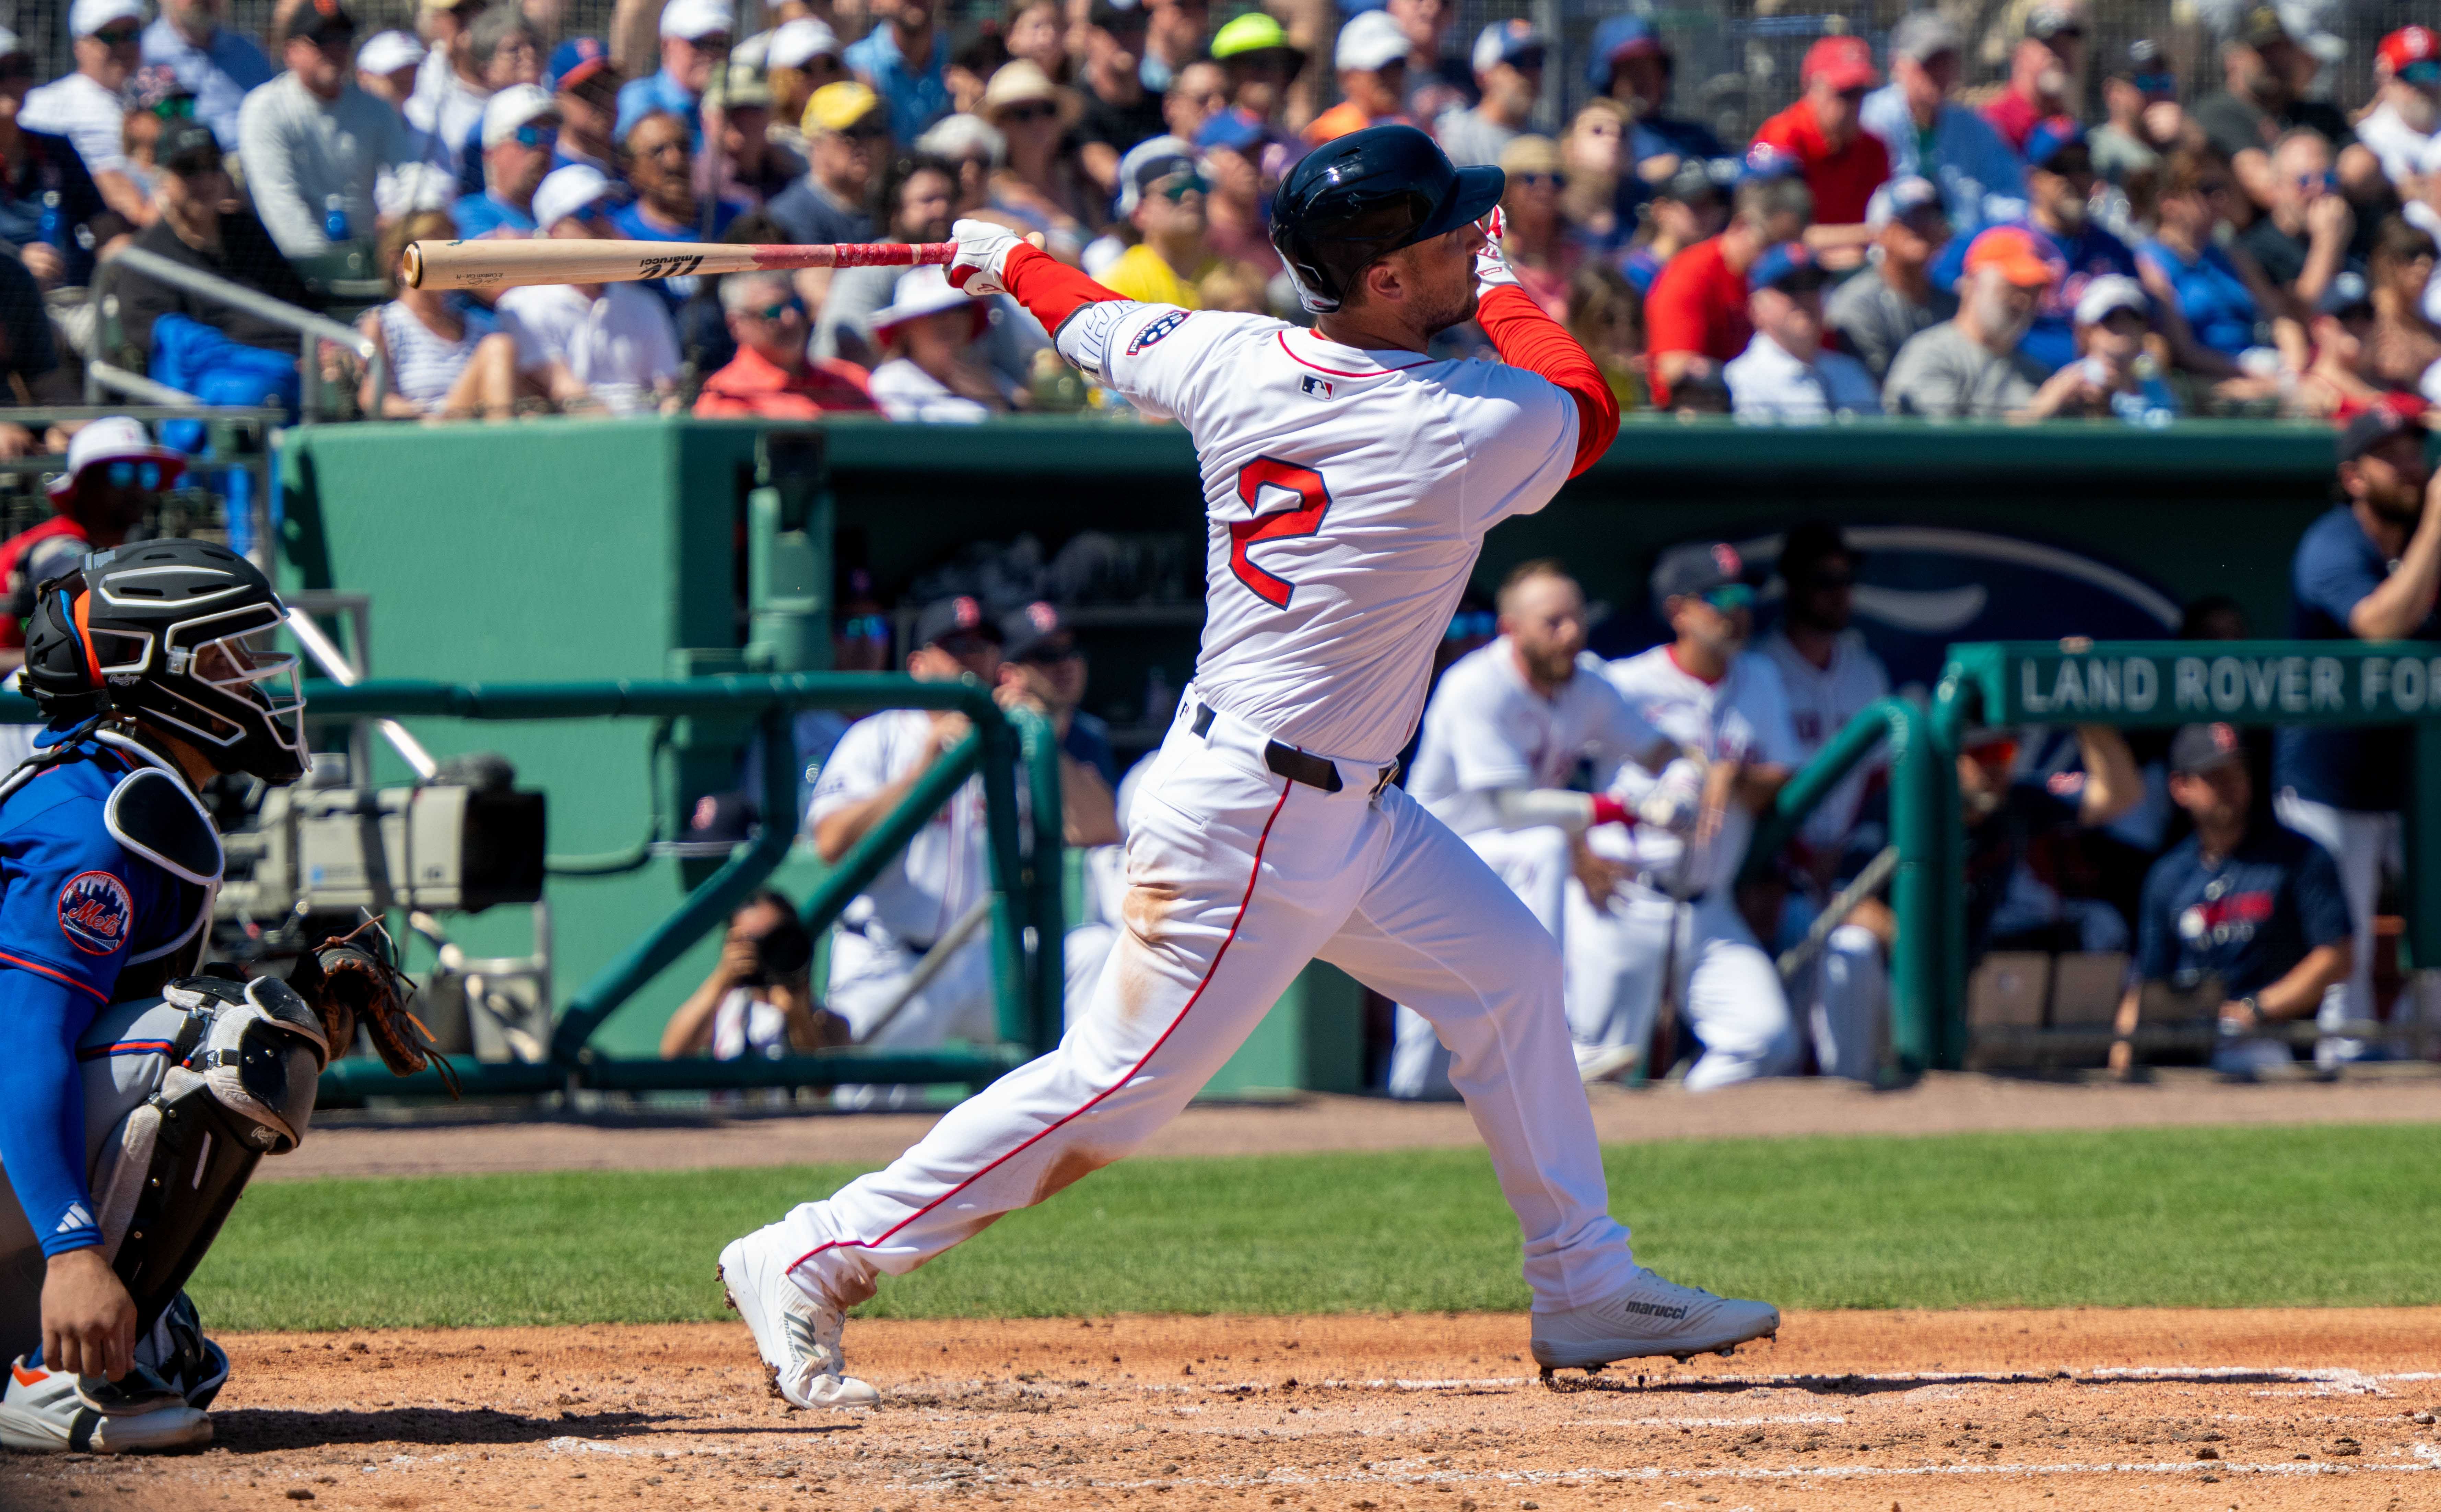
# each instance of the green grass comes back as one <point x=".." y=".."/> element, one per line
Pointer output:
<point x="2158" y="1218"/>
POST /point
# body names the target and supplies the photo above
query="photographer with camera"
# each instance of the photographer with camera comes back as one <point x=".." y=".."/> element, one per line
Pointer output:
<point x="757" y="1000"/>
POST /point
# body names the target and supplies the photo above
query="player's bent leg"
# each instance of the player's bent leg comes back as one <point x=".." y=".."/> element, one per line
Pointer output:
<point x="1220" y="917"/>
<point x="1734" y="1003"/>
<point x="1435" y="929"/>
<point x="1850" y="1004"/>
<point x="1613" y="958"/>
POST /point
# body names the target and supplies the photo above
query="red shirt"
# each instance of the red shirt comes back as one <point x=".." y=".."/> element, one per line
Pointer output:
<point x="12" y="553"/>
<point x="1696" y="305"/>
<point x="1843" y="181"/>
<point x="752" y="384"/>
<point x="2014" y="117"/>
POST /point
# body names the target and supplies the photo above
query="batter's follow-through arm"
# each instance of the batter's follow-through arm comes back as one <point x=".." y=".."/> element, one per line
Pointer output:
<point x="1526" y="337"/>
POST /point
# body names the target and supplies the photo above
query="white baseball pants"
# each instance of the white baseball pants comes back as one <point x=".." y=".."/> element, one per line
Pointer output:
<point x="1237" y="879"/>
<point x="2364" y="845"/>
<point x="1729" y="990"/>
<point x="1535" y="865"/>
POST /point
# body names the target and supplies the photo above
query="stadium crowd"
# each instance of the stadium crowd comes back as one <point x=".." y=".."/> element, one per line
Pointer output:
<point x="1892" y="241"/>
<point x="1887" y="244"/>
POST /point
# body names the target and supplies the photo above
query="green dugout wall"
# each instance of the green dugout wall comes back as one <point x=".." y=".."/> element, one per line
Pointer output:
<point x="589" y="549"/>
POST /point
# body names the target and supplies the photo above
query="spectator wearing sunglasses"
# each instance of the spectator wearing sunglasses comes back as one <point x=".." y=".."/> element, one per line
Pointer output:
<point x="590" y="346"/>
<point x="220" y="353"/>
<point x="2219" y="292"/>
<point x="1161" y="195"/>
<point x="520" y="134"/>
<point x="1371" y="59"/>
<point x="314" y="142"/>
<point x="747" y="164"/>
<point x="1508" y="59"/>
<point x="661" y="168"/>
<point x="85" y="107"/>
<point x="58" y="250"/>
<point x="217" y="65"/>
<point x="847" y="138"/>
<point x="2141" y="97"/>
<point x="447" y="359"/>
<point x="694" y="36"/>
<point x="772" y="376"/>
<point x="1038" y="184"/>
<point x="1842" y="162"/>
<point x="1042" y="668"/>
<point x="112" y="484"/>
<point x="1535" y="240"/>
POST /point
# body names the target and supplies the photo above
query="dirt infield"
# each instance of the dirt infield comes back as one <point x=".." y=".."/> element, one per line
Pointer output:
<point x="1938" y="1104"/>
<point x="1915" y="1411"/>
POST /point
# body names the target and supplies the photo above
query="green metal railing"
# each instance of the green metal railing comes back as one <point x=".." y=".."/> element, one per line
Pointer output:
<point x="1026" y="914"/>
<point x="1916" y="978"/>
<point x="2155" y="683"/>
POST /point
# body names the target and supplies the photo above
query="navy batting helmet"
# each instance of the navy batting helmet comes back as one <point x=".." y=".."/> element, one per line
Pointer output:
<point x="1359" y="197"/>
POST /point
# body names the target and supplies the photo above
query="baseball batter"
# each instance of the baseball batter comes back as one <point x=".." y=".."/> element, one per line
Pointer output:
<point x="1349" y="477"/>
<point x="1674" y="928"/>
<point x="1507" y="728"/>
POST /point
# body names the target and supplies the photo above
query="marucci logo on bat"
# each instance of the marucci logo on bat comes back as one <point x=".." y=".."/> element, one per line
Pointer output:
<point x="669" y="267"/>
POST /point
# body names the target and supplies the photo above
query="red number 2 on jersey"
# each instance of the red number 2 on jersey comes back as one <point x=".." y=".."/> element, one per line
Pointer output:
<point x="1281" y="525"/>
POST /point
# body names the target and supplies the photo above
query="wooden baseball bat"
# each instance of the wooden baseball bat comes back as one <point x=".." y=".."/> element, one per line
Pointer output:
<point x="508" y="265"/>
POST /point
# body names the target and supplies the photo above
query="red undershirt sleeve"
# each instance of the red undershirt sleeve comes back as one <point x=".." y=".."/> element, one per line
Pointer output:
<point x="1050" y="289"/>
<point x="1528" y="337"/>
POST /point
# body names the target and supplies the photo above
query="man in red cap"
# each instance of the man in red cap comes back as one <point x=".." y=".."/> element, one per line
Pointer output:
<point x="116" y="475"/>
<point x="1842" y="162"/>
<point x="2407" y="84"/>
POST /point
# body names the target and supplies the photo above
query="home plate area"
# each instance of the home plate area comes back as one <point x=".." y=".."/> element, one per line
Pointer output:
<point x="1918" y="1411"/>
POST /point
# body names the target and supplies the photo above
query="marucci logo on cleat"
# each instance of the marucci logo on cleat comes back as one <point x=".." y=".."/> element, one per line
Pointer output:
<point x="1646" y="1310"/>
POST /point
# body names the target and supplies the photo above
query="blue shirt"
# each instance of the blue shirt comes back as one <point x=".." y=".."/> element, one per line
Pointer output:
<point x="1087" y="741"/>
<point x="2090" y="254"/>
<point x="2245" y="920"/>
<point x="2218" y="307"/>
<point x="52" y="166"/>
<point x="1981" y="181"/>
<point x="480" y="215"/>
<point x="218" y="73"/>
<point x="916" y="99"/>
<point x="640" y="98"/>
<point x="2364" y="770"/>
<point x="630" y="221"/>
<point x="75" y="908"/>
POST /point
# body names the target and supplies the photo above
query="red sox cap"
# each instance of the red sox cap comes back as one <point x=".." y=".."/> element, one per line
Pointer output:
<point x="2201" y="747"/>
<point x="2363" y="427"/>
<point x="944" y="618"/>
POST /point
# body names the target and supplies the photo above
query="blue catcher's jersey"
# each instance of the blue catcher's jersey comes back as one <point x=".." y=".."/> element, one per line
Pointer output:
<point x="107" y="871"/>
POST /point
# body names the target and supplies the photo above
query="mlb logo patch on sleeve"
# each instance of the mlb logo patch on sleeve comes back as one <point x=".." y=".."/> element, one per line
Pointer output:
<point x="95" y="913"/>
<point x="1158" y="329"/>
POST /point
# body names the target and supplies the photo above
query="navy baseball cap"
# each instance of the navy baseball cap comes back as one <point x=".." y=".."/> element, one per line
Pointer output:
<point x="2363" y="427"/>
<point x="2201" y="747"/>
<point x="575" y="61"/>
<point x="1788" y="267"/>
<point x="1619" y="37"/>
<point x="1689" y="571"/>
<point x="944" y="618"/>
<point x="1031" y="629"/>
<point x="2051" y="137"/>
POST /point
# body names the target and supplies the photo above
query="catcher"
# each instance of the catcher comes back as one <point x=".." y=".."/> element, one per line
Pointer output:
<point x="136" y="1096"/>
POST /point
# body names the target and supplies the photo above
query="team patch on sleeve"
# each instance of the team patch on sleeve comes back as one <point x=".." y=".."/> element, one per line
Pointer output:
<point x="95" y="913"/>
<point x="1161" y="327"/>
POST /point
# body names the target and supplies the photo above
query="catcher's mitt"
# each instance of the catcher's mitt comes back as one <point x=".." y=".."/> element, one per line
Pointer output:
<point x="354" y="981"/>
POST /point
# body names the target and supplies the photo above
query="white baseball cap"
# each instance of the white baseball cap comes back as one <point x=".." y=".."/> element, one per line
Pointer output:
<point x="10" y="45"/>
<point x="798" y="43"/>
<point x="513" y="107"/>
<point x="115" y="438"/>
<point x="89" y="16"/>
<point x="923" y="292"/>
<point x="1370" y="40"/>
<point x="693" y="20"/>
<point x="2112" y="291"/>
<point x="387" y="52"/>
<point x="564" y="191"/>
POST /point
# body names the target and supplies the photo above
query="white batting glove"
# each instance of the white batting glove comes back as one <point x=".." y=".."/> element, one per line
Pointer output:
<point x="1676" y="801"/>
<point x="1490" y="268"/>
<point x="982" y="253"/>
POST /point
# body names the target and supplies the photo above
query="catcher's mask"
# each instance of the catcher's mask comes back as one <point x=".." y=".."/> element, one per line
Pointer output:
<point x="179" y="633"/>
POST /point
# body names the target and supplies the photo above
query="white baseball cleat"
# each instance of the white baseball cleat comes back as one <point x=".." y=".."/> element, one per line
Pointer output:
<point x="1648" y="1316"/>
<point x="798" y="1336"/>
<point x="42" y="1411"/>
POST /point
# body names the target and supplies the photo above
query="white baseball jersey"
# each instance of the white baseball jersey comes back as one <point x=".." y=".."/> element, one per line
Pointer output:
<point x="1821" y="700"/>
<point x="1486" y="729"/>
<point x="1744" y="717"/>
<point x="1346" y="493"/>
<point x="943" y="871"/>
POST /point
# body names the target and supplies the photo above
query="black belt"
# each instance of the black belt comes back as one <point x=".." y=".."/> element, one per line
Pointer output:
<point x="1294" y="765"/>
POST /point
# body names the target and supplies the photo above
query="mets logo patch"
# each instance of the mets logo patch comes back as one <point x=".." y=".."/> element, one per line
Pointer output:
<point x="96" y="912"/>
<point x="1157" y="329"/>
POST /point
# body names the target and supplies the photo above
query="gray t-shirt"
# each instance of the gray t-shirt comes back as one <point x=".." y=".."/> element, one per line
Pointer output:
<point x="1877" y="319"/>
<point x="1472" y="141"/>
<point x="1941" y="374"/>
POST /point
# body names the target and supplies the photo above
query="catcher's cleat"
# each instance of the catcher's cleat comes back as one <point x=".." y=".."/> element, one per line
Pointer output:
<point x="798" y="1336"/>
<point x="47" y="1412"/>
<point x="1648" y="1316"/>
